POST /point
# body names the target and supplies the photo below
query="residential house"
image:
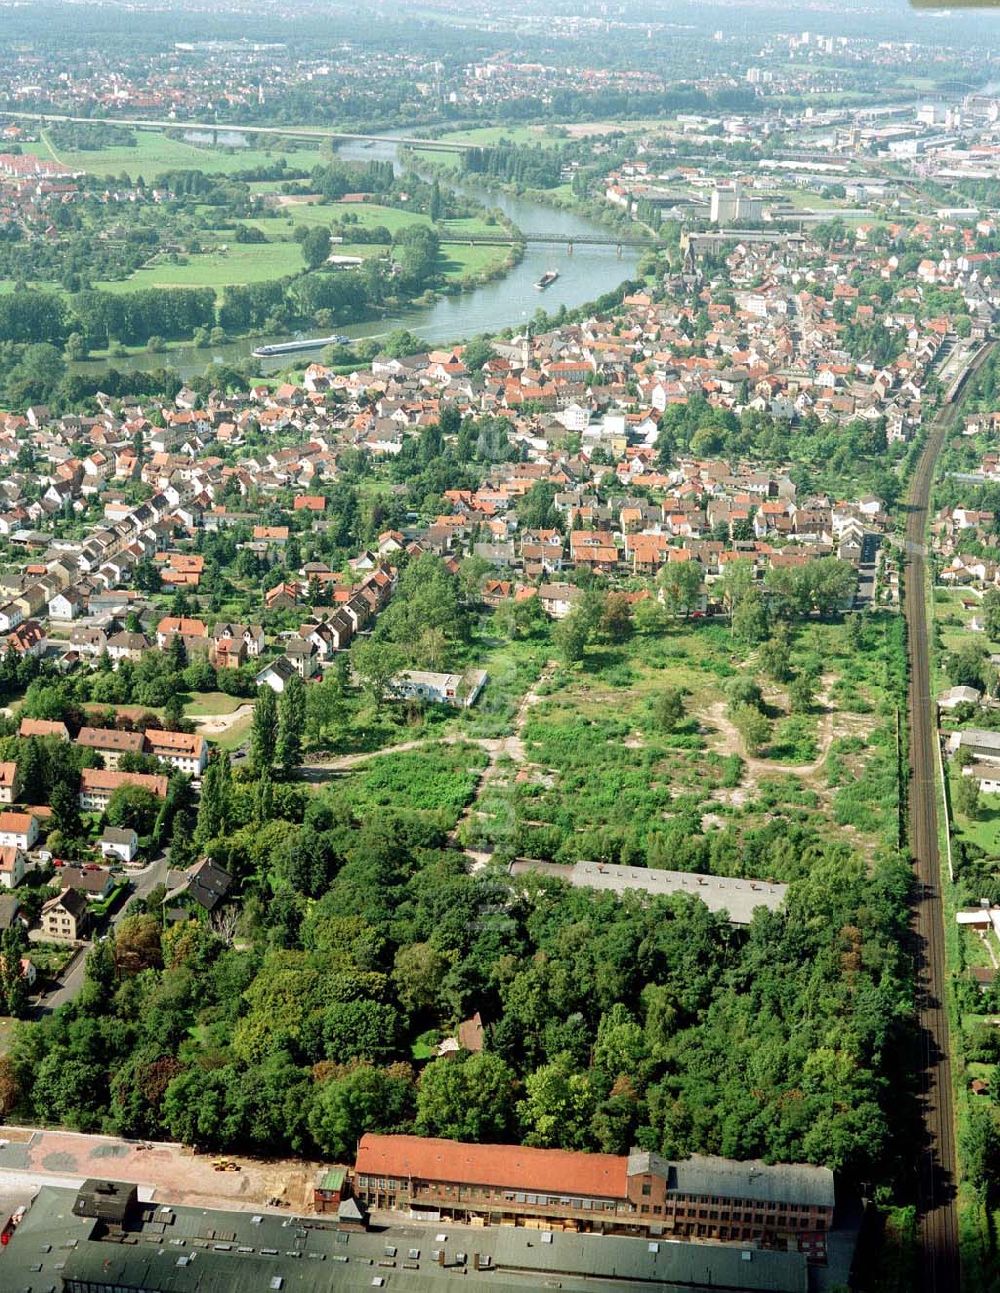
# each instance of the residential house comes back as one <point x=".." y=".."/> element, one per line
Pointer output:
<point x="65" y="918"/>
<point x="204" y="883"/>
<point x="10" y="783"/>
<point x="110" y="743"/>
<point x="10" y="911"/>
<point x="97" y="785"/>
<point x="557" y="600"/>
<point x="229" y="653"/>
<point x="95" y="883"/>
<point x="187" y="752"/>
<point x="18" y="830"/>
<point x="251" y="635"/>
<point x="43" y="727"/>
<point x="302" y="653"/>
<point x="28" y="639"/>
<point x="458" y="690"/>
<point x="119" y="844"/>
<point x="191" y="630"/>
<point x="66" y="605"/>
<point x="276" y="674"/>
<point x="13" y="866"/>
<point x="128" y="646"/>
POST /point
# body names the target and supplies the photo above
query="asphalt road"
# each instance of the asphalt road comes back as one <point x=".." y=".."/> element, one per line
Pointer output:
<point x="143" y="883"/>
<point x="938" y="1216"/>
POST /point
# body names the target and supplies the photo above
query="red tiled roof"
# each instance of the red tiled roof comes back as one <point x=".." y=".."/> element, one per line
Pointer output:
<point x="503" y="1166"/>
<point x="16" y="823"/>
<point x="189" y="743"/>
<point x="106" y="779"/>
<point x="42" y="727"/>
<point x="110" y="738"/>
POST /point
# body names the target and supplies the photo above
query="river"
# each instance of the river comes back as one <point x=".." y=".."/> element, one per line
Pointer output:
<point x="584" y="274"/>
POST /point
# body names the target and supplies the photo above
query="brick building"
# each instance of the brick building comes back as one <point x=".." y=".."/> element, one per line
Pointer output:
<point x="784" y="1206"/>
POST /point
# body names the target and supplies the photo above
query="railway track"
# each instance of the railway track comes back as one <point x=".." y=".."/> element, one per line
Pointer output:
<point x="939" y="1270"/>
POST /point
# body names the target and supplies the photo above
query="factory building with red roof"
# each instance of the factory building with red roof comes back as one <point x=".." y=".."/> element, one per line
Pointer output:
<point x="787" y="1206"/>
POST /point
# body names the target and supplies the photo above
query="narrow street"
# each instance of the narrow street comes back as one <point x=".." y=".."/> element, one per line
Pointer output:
<point x="143" y="883"/>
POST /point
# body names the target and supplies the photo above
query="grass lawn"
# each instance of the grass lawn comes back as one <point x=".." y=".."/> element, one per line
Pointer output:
<point x="952" y="619"/>
<point x="459" y="262"/>
<point x="805" y="200"/>
<point x="154" y="152"/>
<point x="7" y="285"/>
<point x="7" y="1027"/>
<point x="474" y="226"/>
<point x="368" y="215"/>
<point x="425" y="1046"/>
<point x="213" y="702"/>
<point x="235" y="736"/>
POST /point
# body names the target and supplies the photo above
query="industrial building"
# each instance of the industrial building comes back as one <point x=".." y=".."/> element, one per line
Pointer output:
<point x="738" y="897"/>
<point x="781" y="1206"/>
<point x="730" y="205"/>
<point x="61" y="1246"/>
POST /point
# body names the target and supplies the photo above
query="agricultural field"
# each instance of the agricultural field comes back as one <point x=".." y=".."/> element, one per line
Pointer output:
<point x="228" y="263"/>
<point x="485" y="136"/>
<point x="367" y="214"/>
<point x="155" y="152"/>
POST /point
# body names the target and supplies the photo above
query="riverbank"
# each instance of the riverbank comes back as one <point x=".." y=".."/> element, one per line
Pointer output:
<point x="561" y="198"/>
<point x="507" y="301"/>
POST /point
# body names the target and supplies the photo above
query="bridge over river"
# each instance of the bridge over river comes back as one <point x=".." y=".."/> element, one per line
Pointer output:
<point x="316" y="133"/>
<point x="551" y="239"/>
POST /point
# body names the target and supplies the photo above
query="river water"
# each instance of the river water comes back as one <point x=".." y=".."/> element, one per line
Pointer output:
<point x="584" y="274"/>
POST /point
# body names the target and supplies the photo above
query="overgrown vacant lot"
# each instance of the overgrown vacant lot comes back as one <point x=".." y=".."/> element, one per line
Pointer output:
<point x="604" y="777"/>
<point x="435" y="781"/>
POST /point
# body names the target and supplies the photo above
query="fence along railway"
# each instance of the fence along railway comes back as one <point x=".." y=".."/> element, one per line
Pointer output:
<point x="938" y="1174"/>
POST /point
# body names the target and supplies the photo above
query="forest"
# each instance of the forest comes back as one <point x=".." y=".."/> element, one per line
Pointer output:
<point x="609" y="1023"/>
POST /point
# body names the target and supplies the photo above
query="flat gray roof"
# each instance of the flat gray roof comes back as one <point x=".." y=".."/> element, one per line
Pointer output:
<point x="978" y="736"/>
<point x="748" y="1179"/>
<point x="190" y="1250"/>
<point x="738" y="897"/>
